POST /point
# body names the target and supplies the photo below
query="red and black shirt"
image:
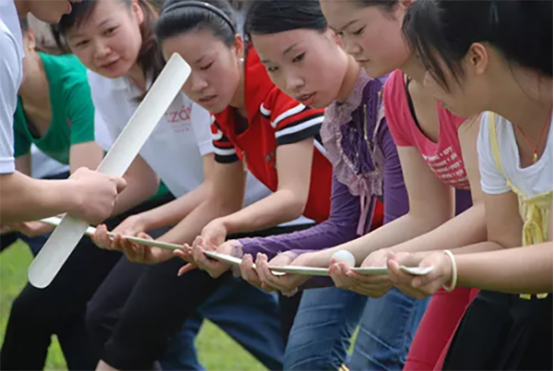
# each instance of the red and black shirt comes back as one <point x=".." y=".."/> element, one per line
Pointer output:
<point x="274" y="119"/>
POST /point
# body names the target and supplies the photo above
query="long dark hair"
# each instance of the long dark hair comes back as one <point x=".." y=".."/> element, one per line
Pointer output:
<point x="182" y="16"/>
<point x="444" y="30"/>
<point x="150" y="58"/>
<point x="265" y="17"/>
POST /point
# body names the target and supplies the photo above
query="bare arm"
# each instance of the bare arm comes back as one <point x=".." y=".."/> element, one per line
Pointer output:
<point x="294" y="168"/>
<point x="172" y="213"/>
<point x="87" y="155"/>
<point x="431" y="204"/>
<point x="23" y="164"/>
<point x="229" y="181"/>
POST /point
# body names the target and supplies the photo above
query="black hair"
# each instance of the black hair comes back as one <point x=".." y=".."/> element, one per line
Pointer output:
<point x="386" y="5"/>
<point x="182" y="16"/>
<point x="265" y="17"/>
<point x="149" y="59"/>
<point x="444" y="30"/>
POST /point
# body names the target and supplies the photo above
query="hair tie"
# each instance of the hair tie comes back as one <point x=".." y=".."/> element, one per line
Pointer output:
<point x="202" y="5"/>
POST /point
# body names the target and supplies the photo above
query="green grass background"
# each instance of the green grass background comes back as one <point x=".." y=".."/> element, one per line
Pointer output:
<point x="217" y="351"/>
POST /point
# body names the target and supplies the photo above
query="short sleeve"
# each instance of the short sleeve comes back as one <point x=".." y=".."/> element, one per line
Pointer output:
<point x="397" y="110"/>
<point x="292" y="121"/>
<point x="200" y="121"/>
<point x="10" y="75"/>
<point x="493" y="181"/>
<point x="80" y="112"/>
<point x="225" y="151"/>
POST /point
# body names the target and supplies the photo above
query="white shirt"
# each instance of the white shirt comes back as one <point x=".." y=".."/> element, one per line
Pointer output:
<point x="175" y="148"/>
<point x="532" y="181"/>
<point x="43" y="165"/>
<point x="11" y="73"/>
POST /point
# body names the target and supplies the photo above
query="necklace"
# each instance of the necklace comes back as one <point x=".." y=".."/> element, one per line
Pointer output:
<point x="536" y="146"/>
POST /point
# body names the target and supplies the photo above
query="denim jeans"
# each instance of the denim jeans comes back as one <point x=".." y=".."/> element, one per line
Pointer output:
<point x="328" y="317"/>
<point x="234" y="307"/>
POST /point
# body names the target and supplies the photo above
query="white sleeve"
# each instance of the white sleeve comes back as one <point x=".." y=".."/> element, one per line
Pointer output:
<point x="10" y="75"/>
<point x="105" y="132"/>
<point x="200" y="121"/>
<point x="493" y="181"/>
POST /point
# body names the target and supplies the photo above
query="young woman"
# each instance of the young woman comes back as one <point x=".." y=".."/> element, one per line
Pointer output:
<point x="504" y="65"/>
<point x="282" y="156"/>
<point x="366" y="168"/>
<point x="87" y="195"/>
<point x="55" y="112"/>
<point x="437" y="153"/>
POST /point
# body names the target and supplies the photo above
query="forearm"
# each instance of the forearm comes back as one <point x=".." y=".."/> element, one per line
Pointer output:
<point x="191" y="226"/>
<point x="173" y="212"/>
<point x="27" y="199"/>
<point x="516" y="270"/>
<point x="279" y="207"/>
<point x="319" y="237"/>
<point x="467" y="228"/>
<point x="391" y="234"/>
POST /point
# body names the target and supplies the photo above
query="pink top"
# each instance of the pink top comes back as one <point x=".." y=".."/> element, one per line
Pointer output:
<point x="445" y="156"/>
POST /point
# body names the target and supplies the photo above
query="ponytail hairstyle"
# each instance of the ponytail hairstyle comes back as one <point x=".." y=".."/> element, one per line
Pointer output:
<point x="266" y="17"/>
<point x="150" y="58"/>
<point x="182" y="16"/>
<point x="441" y="32"/>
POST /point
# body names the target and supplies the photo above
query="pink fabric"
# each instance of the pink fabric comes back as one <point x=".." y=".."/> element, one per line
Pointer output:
<point x="445" y="156"/>
<point x="437" y="328"/>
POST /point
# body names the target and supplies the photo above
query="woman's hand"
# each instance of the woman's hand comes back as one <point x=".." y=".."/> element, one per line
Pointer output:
<point x="420" y="287"/>
<point x="197" y="259"/>
<point x="214" y="233"/>
<point x="134" y="252"/>
<point x="287" y="284"/>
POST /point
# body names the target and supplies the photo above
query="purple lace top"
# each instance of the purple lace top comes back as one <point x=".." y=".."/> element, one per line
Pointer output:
<point x="366" y="166"/>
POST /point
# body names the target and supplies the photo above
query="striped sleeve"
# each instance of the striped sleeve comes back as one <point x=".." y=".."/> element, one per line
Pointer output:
<point x="225" y="151"/>
<point x="292" y="121"/>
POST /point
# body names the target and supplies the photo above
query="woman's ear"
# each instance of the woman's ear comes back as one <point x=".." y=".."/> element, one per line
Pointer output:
<point x="334" y="37"/>
<point x="477" y="58"/>
<point x="137" y="9"/>
<point x="239" y="46"/>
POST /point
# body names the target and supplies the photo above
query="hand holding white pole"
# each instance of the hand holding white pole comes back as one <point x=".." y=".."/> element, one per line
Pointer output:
<point x="65" y="237"/>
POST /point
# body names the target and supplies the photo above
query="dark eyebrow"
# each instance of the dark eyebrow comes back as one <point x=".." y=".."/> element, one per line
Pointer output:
<point x="346" y="25"/>
<point x="77" y="34"/>
<point x="289" y="49"/>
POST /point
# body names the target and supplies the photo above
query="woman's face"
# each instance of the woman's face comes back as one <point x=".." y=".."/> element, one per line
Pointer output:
<point x="50" y="11"/>
<point x="370" y="34"/>
<point x="215" y="75"/>
<point x="109" y="41"/>
<point x="308" y="65"/>
<point x="468" y="94"/>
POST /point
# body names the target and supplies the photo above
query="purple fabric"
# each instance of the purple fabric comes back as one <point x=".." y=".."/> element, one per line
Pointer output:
<point x="353" y="165"/>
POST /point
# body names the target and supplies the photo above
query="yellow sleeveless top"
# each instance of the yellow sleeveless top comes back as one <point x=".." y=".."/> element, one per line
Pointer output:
<point x="534" y="211"/>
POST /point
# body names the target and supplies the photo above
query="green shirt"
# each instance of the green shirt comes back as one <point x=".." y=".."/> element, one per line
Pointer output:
<point x="72" y="110"/>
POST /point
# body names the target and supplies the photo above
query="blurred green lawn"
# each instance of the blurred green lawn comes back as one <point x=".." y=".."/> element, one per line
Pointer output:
<point x="216" y="350"/>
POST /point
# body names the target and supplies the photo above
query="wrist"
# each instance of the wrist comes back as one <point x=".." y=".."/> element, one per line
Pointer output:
<point x="66" y="196"/>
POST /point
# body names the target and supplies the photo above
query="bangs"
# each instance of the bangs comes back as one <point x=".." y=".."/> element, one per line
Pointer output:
<point x="423" y="33"/>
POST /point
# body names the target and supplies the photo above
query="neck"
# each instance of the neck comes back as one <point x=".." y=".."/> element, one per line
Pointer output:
<point x="35" y="88"/>
<point x="22" y="7"/>
<point x="525" y="102"/>
<point x="238" y="101"/>
<point x="414" y="69"/>
<point x="137" y="76"/>
<point x="350" y="79"/>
